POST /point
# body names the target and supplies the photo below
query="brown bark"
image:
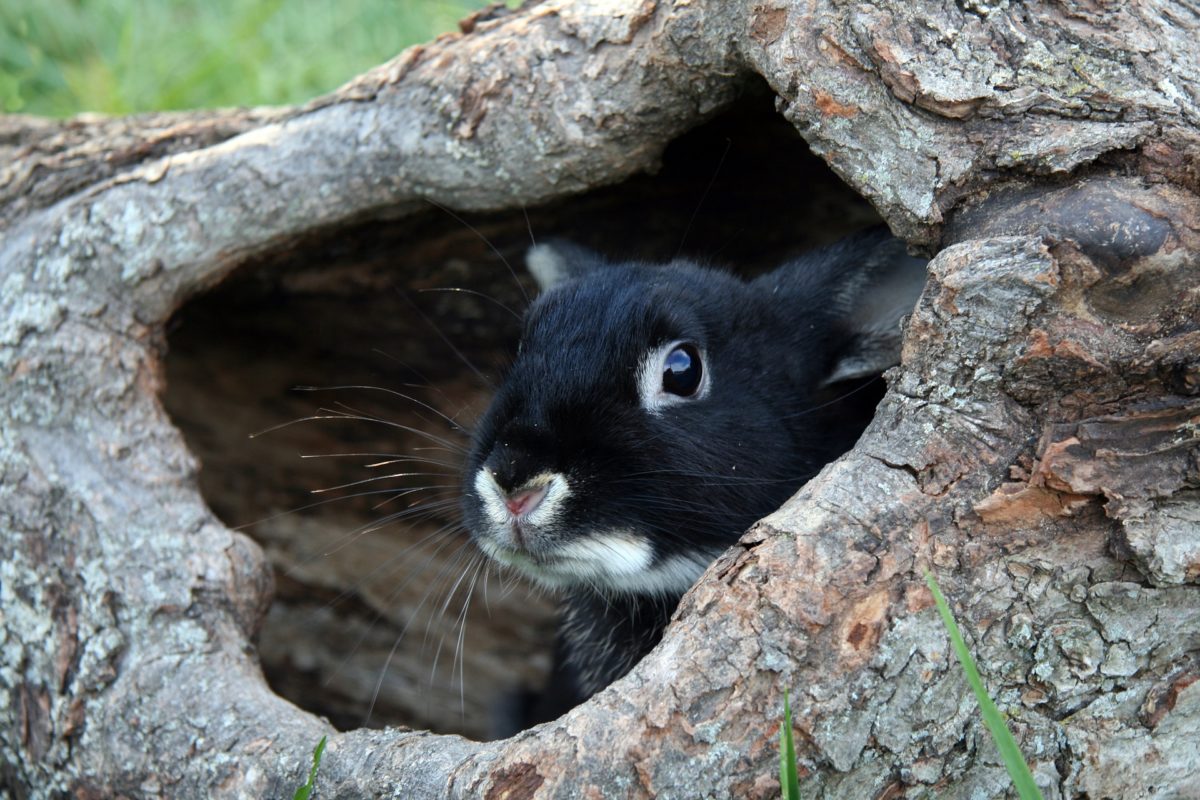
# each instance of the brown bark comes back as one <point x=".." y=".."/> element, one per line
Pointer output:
<point x="1037" y="449"/>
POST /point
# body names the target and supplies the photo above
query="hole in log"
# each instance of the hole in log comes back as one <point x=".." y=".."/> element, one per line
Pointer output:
<point x="367" y="622"/>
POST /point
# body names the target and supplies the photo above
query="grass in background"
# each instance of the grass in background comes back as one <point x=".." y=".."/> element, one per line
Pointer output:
<point x="61" y="57"/>
<point x="1018" y="769"/>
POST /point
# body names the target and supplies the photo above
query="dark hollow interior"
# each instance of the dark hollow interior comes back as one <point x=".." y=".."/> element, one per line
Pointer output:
<point x="384" y="613"/>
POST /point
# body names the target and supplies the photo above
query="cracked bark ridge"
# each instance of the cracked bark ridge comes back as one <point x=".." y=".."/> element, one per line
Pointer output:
<point x="1037" y="448"/>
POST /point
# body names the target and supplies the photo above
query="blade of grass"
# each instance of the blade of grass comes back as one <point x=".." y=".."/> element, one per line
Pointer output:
<point x="305" y="791"/>
<point x="789" y="783"/>
<point x="1018" y="769"/>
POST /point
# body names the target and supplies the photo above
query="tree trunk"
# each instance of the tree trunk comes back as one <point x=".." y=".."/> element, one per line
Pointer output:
<point x="1038" y="449"/>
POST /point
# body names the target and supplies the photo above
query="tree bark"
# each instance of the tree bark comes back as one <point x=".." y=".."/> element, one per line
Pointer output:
<point x="1037" y="449"/>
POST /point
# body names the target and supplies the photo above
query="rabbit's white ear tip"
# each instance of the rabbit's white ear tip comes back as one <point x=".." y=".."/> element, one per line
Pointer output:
<point x="547" y="265"/>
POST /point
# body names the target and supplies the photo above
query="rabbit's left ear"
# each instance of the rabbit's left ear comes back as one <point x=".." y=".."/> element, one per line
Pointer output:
<point x="557" y="261"/>
<point x="876" y="306"/>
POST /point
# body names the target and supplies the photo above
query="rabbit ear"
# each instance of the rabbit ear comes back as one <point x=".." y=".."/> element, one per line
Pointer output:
<point x="556" y="261"/>
<point x="887" y="289"/>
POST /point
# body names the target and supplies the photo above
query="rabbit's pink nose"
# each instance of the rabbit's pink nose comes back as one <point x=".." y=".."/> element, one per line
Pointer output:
<point x="525" y="501"/>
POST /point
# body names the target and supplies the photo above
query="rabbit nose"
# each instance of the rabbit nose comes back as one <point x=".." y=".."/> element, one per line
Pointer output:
<point x="524" y="501"/>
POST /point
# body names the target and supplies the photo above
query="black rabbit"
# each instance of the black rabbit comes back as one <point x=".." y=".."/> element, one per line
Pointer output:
<point x="654" y="413"/>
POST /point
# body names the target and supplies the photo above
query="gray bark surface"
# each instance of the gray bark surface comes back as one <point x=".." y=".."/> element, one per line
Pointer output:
<point x="1038" y="449"/>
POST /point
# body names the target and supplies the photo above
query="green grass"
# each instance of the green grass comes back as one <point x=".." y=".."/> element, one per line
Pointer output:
<point x="789" y="782"/>
<point x="305" y="791"/>
<point x="1018" y="769"/>
<point x="60" y="57"/>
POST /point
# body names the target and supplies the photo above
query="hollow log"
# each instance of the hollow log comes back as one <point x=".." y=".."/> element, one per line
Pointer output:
<point x="163" y="279"/>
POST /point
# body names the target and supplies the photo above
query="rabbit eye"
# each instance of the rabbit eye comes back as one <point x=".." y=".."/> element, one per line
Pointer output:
<point x="671" y="374"/>
<point x="682" y="371"/>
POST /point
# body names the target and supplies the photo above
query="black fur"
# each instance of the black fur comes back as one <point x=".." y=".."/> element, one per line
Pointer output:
<point x="690" y="479"/>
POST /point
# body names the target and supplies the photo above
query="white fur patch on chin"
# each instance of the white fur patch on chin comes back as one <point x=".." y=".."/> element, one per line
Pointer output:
<point x="673" y="575"/>
<point x="616" y="561"/>
<point x="616" y="553"/>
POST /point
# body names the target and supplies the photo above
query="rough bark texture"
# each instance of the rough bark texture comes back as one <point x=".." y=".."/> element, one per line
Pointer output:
<point x="1038" y="448"/>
